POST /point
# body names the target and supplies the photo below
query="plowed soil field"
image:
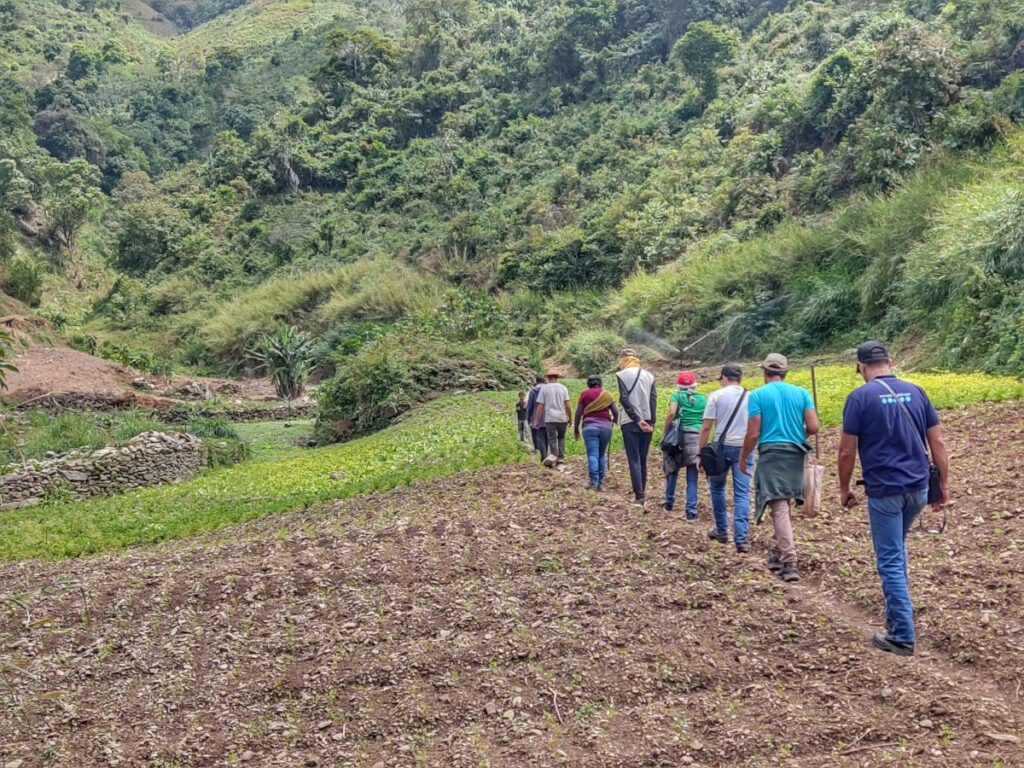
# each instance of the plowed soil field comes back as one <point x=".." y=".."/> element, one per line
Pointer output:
<point x="507" y="617"/>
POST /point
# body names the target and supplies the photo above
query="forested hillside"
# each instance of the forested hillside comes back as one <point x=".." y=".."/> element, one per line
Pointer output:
<point x="404" y="179"/>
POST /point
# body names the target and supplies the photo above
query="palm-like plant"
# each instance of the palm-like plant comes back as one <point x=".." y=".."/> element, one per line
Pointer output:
<point x="287" y="356"/>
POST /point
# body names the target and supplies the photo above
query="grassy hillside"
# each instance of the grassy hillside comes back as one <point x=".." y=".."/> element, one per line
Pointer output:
<point x="267" y="23"/>
<point x="36" y="36"/>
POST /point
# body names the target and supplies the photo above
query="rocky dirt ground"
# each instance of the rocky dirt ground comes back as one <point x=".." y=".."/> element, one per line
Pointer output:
<point x="44" y="369"/>
<point x="506" y="617"/>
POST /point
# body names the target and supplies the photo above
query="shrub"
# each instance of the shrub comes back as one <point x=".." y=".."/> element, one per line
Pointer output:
<point x="287" y="356"/>
<point x="341" y="342"/>
<point x="366" y="396"/>
<point x="593" y="352"/>
<point x="23" y="279"/>
<point x="966" y="279"/>
<point x="122" y="427"/>
<point x="389" y="377"/>
<point x="139" y="359"/>
<point x="226" y="452"/>
<point x="211" y="426"/>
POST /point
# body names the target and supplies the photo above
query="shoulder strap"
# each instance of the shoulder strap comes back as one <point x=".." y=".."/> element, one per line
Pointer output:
<point x="639" y="372"/>
<point x="907" y="413"/>
<point x="732" y="418"/>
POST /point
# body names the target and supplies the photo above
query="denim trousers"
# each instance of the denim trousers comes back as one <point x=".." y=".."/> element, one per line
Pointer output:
<point x="596" y="439"/>
<point x="692" y="479"/>
<point x="638" y="445"/>
<point x="891" y="518"/>
<point x="740" y="495"/>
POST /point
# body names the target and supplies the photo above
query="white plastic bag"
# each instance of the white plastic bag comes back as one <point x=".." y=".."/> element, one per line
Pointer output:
<point x="814" y="479"/>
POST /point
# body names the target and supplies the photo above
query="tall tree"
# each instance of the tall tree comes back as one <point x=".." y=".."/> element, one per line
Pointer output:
<point x="71" y="193"/>
<point x="703" y="50"/>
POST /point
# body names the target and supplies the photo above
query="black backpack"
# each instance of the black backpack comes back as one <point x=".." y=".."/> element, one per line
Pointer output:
<point x="712" y="455"/>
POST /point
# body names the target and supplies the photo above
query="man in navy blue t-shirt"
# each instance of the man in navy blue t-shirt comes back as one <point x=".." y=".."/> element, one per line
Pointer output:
<point x="889" y="421"/>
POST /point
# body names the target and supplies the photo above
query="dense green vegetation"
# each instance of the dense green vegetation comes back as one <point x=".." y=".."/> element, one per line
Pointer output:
<point x="715" y="177"/>
<point x="441" y="438"/>
<point x="38" y="434"/>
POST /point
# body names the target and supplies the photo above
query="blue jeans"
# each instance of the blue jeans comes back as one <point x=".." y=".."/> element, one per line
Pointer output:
<point x="691" y="490"/>
<point x="891" y="518"/>
<point x="740" y="495"/>
<point x="596" y="439"/>
<point x="638" y="445"/>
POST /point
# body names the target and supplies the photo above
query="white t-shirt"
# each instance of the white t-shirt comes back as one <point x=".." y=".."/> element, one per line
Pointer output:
<point x="554" y="396"/>
<point x="720" y="405"/>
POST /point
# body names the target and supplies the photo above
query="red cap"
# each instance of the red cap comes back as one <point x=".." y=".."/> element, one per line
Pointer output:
<point x="686" y="379"/>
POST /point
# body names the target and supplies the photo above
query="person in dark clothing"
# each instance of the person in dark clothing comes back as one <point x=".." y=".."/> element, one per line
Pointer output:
<point x="540" y="435"/>
<point x="521" y="409"/>
<point x="893" y="425"/>
<point x="554" y="413"/>
<point x="597" y="413"/>
<point x="639" y="400"/>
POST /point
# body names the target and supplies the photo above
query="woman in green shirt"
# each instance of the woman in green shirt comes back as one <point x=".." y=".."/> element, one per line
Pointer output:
<point x="687" y="407"/>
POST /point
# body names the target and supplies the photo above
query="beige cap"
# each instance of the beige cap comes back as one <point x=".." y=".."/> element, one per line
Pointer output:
<point x="775" y="363"/>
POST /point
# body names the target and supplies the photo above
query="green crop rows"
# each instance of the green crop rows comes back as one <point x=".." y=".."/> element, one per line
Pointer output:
<point x="457" y="433"/>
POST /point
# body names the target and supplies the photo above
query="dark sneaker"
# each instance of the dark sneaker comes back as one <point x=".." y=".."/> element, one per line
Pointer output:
<point x="715" y="535"/>
<point x="789" y="572"/>
<point x="691" y="518"/>
<point x="637" y="503"/>
<point x="742" y="546"/>
<point x="667" y="507"/>
<point x="887" y="644"/>
<point x="593" y="487"/>
<point x="774" y="564"/>
<point x="600" y="488"/>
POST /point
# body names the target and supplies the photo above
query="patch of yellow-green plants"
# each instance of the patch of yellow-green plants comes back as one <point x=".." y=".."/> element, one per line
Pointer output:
<point x="441" y="438"/>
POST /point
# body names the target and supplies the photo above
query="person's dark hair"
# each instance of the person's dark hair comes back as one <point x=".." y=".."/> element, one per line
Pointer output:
<point x="732" y="372"/>
<point x="594" y="381"/>
<point x="521" y="393"/>
<point x="541" y="379"/>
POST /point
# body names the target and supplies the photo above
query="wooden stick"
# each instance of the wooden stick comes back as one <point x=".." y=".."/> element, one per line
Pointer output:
<point x="554" y="697"/>
<point x="817" y="436"/>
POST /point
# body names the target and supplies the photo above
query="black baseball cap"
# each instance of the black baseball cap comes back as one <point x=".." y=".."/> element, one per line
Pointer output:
<point x="871" y="351"/>
<point x="732" y="371"/>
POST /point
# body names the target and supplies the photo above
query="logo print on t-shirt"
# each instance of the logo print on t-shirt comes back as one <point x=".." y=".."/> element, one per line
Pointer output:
<point x="904" y="397"/>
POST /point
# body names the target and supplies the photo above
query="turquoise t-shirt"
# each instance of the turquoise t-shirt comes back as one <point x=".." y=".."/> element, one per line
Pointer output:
<point x="781" y="407"/>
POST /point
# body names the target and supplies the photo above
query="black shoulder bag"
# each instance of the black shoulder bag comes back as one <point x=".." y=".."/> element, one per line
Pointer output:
<point x="712" y="455"/>
<point x="934" y="475"/>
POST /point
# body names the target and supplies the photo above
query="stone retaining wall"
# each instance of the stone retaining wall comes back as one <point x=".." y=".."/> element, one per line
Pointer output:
<point x="152" y="458"/>
<point x="59" y="402"/>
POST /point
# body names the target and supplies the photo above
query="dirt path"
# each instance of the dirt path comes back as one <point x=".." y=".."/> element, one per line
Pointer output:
<point x="43" y="370"/>
<point x="508" y="617"/>
<point x="929" y="656"/>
